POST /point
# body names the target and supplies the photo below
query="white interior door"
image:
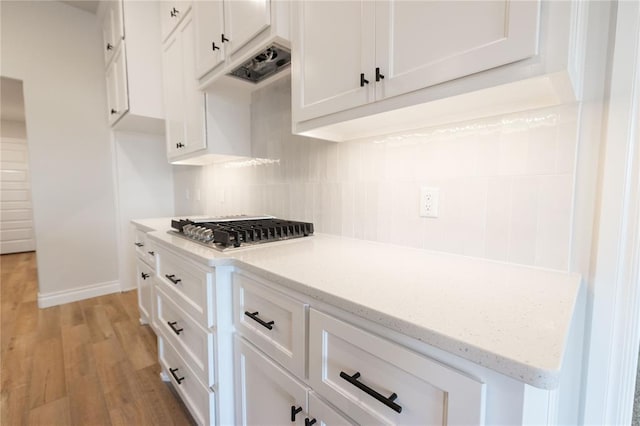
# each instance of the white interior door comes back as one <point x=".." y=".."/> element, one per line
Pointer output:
<point x="16" y="217"/>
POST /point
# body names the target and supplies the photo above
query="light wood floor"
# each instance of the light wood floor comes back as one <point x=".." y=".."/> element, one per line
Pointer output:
<point x="83" y="363"/>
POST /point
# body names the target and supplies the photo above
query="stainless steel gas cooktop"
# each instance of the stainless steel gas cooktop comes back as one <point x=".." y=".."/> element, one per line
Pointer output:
<point x="225" y="233"/>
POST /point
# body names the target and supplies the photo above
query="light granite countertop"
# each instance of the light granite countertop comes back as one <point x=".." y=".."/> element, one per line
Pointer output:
<point x="510" y="318"/>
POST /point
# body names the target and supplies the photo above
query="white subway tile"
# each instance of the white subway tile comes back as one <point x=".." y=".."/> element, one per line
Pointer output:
<point x="497" y="217"/>
<point x="554" y="222"/>
<point x="523" y="220"/>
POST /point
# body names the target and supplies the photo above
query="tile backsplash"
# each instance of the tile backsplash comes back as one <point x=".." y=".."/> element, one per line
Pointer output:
<point x="506" y="182"/>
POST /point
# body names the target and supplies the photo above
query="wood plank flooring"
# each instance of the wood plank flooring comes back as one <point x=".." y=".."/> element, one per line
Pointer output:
<point x="83" y="363"/>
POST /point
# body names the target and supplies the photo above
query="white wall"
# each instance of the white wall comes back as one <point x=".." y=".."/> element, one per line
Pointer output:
<point x="56" y="50"/>
<point x="145" y="189"/>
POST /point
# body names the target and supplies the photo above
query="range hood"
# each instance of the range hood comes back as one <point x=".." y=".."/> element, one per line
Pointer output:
<point x="267" y="63"/>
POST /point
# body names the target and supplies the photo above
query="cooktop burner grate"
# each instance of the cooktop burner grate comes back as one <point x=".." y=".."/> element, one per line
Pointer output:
<point x="228" y="233"/>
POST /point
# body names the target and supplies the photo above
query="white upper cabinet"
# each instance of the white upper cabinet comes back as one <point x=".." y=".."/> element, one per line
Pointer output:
<point x="209" y="25"/>
<point x="184" y="103"/>
<point x="231" y="32"/>
<point x="245" y="19"/>
<point x="112" y="28"/>
<point x="200" y="128"/>
<point x="133" y="70"/>
<point x="117" y="90"/>
<point x="423" y="43"/>
<point x="355" y="52"/>
<point x="171" y="14"/>
<point x="334" y="47"/>
<point x="173" y="97"/>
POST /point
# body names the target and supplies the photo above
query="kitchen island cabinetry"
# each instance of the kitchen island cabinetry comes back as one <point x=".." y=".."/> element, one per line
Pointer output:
<point x="145" y="276"/>
<point x="194" y="334"/>
<point x="385" y="335"/>
<point x="375" y="381"/>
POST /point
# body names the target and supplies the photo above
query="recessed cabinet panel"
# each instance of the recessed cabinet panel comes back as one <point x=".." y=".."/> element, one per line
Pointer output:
<point x="185" y="107"/>
<point x="272" y="321"/>
<point x="171" y="14"/>
<point x="173" y="94"/>
<point x="378" y="382"/>
<point x="117" y="93"/>
<point x="191" y="288"/>
<point x="209" y="27"/>
<point x="456" y="39"/>
<point x="335" y="50"/>
<point x="265" y="392"/>
<point x="145" y="291"/>
<point x="193" y="342"/>
<point x="194" y="106"/>
<point x="199" y="400"/>
<point x="324" y="414"/>
<point x="112" y="29"/>
<point x="244" y="19"/>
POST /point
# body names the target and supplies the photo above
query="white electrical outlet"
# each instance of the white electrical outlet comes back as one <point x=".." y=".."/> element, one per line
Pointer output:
<point x="429" y="200"/>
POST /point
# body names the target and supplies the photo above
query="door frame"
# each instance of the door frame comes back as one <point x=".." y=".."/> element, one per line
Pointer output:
<point x="615" y="322"/>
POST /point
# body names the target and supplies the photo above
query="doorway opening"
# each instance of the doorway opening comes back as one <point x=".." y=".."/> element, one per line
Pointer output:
<point x="16" y="214"/>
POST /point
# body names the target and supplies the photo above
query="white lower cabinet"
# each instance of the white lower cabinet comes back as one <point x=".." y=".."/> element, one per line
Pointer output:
<point x="380" y="382"/>
<point x="195" y="343"/>
<point x="265" y="393"/>
<point x="199" y="399"/>
<point x="324" y="414"/>
<point x="145" y="291"/>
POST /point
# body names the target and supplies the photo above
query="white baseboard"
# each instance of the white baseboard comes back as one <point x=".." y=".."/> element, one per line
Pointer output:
<point x="54" y="298"/>
<point x="128" y="289"/>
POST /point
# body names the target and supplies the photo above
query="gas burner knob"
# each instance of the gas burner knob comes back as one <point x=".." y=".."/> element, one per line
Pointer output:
<point x="188" y="230"/>
<point x="207" y="236"/>
<point x="199" y="232"/>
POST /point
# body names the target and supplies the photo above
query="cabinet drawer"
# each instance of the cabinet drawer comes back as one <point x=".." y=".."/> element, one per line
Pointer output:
<point x="379" y="382"/>
<point x="193" y="342"/>
<point x="145" y="277"/>
<point x="199" y="400"/>
<point x="144" y="248"/>
<point x="190" y="286"/>
<point x="272" y="321"/>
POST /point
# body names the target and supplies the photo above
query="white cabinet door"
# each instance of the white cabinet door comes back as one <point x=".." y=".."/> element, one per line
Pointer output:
<point x="335" y="46"/>
<point x="265" y="393"/>
<point x="171" y="13"/>
<point x="244" y="19"/>
<point x="145" y="291"/>
<point x="194" y="99"/>
<point x="209" y="27"/>
<point x="173" y="94"/>
<point x="117" y="94"/>
<point x="112" y="28"/>
<point x="423" y="43"/>
<point x="184" y="103"/>
<point x="323" y="414"/>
